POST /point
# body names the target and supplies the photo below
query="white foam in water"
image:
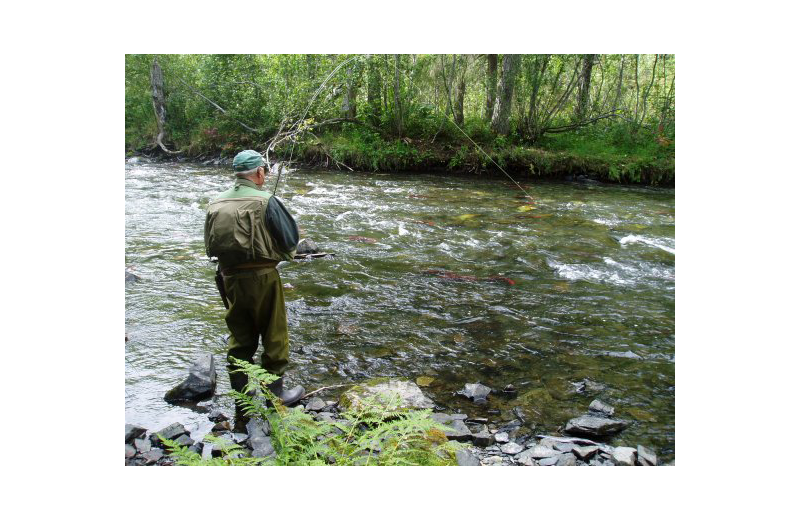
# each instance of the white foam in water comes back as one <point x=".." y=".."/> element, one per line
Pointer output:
<point x="401" y="230"/>
<point x="632" y="239"/>
<point x="586" y="272"/>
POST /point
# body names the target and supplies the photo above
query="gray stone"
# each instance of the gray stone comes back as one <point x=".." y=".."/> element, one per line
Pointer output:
<point x="326" y="416"/>
<point x="466" y="458"/>
<point x="262" y="447"/>
<point x="527" y="461"/>
<point x="600" y="407"/>
<point x="143" y="445"/>
<point x="172" y="432"/>
<point x="307" y="247"/>
<point x="315" y="404"/>
<point x="585" y="452"/>
<point x="565" y="447"/>
<point x="409" y="394"/>
<point x="645" y="456"/>
<point x="239" y="438"/>
<point x="459" y="432"/>
<point x="153" y="456"/>
<point x="512" y="448"/>
<point x="623" y="456"/>
<point x="197" y="448"/>
<point x="549" y="461"/>
<point x="130" y="277"/>
<point x="550" y="441"/>
<point x="257" y="427"/>
<point x="475" y="391"/>
<point x="543" y="452"/>
<point x="594" y="426"/>
<point x="482" y="438"/>
<point x="133" y="432"/>
<point x="184" y="440"/>
<point x="222" y="426"/>
<point x="199" y="384"/>
<point x="501" y="437"/>
<point x="218" y="415"/>
<point x="130" y="451"/>
<point x="494" y="460"/>
<point x="567" y="459"/>
<point x="477" y="420"/>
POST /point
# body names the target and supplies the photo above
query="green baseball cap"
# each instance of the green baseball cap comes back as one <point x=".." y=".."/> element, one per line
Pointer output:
<point x="247" y="160"/>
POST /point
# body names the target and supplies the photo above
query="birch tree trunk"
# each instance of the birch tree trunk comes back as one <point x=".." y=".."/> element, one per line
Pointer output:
<point x="348" y="109"/>
<point x="584" y="81"/>
<point x="461" y="88"/>
<point x="491" y="85"/>
<point x="373" y="91"/>
<point x="501" y="123"/>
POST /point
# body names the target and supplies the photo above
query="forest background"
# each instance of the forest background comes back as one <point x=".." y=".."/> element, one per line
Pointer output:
<point x="608" y="116"/>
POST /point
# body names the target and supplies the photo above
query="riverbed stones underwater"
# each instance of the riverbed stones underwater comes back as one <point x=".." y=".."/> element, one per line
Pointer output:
<point x="485" y="443"/>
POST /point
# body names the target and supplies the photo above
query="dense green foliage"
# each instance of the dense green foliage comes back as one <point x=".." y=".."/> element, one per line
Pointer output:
<point x="372" y="435"/>
<point x="608" y="114"/>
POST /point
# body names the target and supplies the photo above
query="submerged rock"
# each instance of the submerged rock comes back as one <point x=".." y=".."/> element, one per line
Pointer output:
<point x="130" y="277"/>
<point x="399" y="395"/>
<point x="307" y="247"/>
<point x="600" y="407"/>
<point x="475" y="391"/>
<point x="594" y="426"/>
<point x="199" y="384"/>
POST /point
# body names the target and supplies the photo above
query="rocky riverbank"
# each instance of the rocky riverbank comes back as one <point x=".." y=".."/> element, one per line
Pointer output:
<point x="485" y="442"/>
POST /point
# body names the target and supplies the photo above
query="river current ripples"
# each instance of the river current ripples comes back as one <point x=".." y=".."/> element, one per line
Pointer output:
<point x="458" y="279"/>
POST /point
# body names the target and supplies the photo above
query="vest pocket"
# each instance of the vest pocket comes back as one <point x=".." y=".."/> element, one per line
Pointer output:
<point x="243" y="231"/>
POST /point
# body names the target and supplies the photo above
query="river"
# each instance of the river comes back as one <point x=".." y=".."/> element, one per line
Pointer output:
<point x="458" y="279"/>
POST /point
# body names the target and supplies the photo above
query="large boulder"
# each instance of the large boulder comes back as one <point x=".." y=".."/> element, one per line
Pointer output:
<point x="393" y="394"/>
<point x="594" y="426"/>
<point x="199" y="384"/>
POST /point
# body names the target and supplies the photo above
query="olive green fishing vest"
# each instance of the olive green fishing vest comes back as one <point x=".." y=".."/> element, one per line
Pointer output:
<point x="236" y="231"/>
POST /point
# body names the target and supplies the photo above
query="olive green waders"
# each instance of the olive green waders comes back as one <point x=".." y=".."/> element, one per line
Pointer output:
<point x="256" y="310"/>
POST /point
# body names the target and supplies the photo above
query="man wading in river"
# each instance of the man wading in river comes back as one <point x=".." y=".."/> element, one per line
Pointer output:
<point x="250" y="231"/>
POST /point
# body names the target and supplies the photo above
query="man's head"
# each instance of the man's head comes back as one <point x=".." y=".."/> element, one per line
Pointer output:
<point x="250" y="165"/>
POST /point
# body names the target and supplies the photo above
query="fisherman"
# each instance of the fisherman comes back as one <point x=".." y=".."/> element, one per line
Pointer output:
<point x="240" y="232"/>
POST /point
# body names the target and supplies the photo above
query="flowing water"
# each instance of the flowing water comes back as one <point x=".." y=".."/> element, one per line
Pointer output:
<point x="457" y="279"/>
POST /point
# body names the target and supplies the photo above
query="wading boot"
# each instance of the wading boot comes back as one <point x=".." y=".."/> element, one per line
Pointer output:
<point x="289" y="397"/>
<point x="238" y="382"/>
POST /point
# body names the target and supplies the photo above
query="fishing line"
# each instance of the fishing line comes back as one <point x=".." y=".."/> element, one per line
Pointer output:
<point x="296" y="125"/>
<point x="444" y="114"/>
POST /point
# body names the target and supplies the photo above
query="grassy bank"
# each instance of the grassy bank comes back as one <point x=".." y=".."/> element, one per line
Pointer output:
<point x="606" y="156"/>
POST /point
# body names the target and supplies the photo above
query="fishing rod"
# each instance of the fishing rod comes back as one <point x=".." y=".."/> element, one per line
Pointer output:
<point x="296" y="126"/>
